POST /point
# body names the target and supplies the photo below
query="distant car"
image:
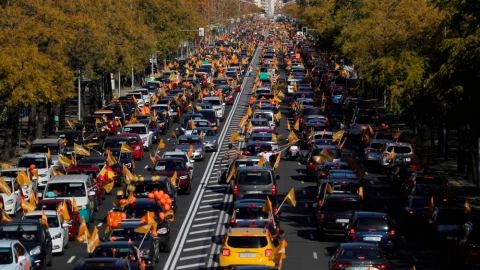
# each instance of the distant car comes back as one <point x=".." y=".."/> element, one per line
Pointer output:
<point x="238" y="163"/>
<point x="74" y="216"/>
<point x="210" y="137"/>
<point x="358" y="256"/>
<point x="373" y="150"/>
<point x="57" y="228"/>
<point x="447" y="222"/>
<point x="120" y="249"/>
<point x="168" y="166"/>
<point x="103" y="264"/>
<point x="334" y="212"/>
<point x="186" y="142"/>
<point x="255" y="180"/>
<point x="14" y="256"/>
<point x="249" y="213"/>
<point x="141" y="129"/>
<point x="247" y="246"/>
<point x="418" y="210"/>
<point x="217" y="104"/>
<point x="35" y="239"/>
<point x="373" y="227"/>
<point x="180" y="154"/>
<point x="133" y="140"/>
<point x="42" y="164"/>
<point x="403" y="154"/>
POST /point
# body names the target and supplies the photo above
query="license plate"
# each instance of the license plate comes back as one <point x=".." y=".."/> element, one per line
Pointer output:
<point x="360" y="268"/>
<point x="342" y="220"/>
<point x="246" y="255"/>
<point x="254" y="192"/>
<point x="372" y="238"/>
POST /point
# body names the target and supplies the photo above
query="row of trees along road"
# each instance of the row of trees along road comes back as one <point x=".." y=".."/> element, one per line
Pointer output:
<point x="424" y="55"/>
<point x="44" y="45"/>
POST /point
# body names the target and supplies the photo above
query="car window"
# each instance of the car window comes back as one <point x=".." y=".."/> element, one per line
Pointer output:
<point x="399" y="149"/>
<point x="135" y="129"/>
<point x="372" y="223"/>
<point x="360" y="253"/>
<point x="52" y="220"/>
<point x="39" y="162"/>
<point x="65" y="190"/>
<point x="169" y="165"/>
<point x="24" y="233"/>
<point x="254" y="178"/>
<point x="6" y="256"/>
<point x="250" y="213"/>
<point x="247" y="241"/>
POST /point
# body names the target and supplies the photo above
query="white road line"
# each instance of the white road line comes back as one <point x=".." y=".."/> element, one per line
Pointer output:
<point x="201" y="231"/>
<point x="205" y="218"/>
<point x="71" y="259"/>
<point x="193" y="265"/>
<point x="213" y="195"/>
<point x="203" y="224"/>
<point x="195" y="248"/>
<point x="198" y="239"/>
<point x="315" y="255"/>
<point x="312" y="236"/>
<point x="211" y="200"/>
<point x="192" y="257"/>
<point x="207" y="211"/>
<point x="208" y="205"/>
<point x="99" y="224"/>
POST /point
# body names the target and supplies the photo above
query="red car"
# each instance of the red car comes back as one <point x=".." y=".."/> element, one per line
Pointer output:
<point x="74" y="216"/>
<point x="168" y="166"/>
<point x="133" y="140"/>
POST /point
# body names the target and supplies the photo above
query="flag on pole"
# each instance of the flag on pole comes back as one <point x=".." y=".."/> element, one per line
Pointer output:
<point x="110" y="158"/>
<point x="296" y="125"/>
<point x="234" y="137"/>
<point x="191" y="150"/>
<point x="391" y="154"/>
<point x="161" y="145"/>
<point x="93" y="240"/>
<point x="173" y="179"/>
<point x="292" y="138"/>
<point x="4" y="187"/>
<point x="267" y="207"/>
<point x="127" y="174"/>
<point x="126" y="149"/>
<point x="63" y="211"/>
<point x="44" y="220"/>
<point x="83" y="234"/>
<point x="232" y="173"/>
<point x="290" y="198"/>
<point x="65" y="161"/>
<point x="277" y="161"/>
<point x="337" y="136"/>
<point x="23" y="179"/>
<point x="261" y="161"/>
<point x="80" y="150"/>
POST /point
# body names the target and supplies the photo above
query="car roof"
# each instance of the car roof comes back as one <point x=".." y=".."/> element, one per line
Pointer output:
<point x="39" y="212"/>
<point x="135" y="125"/>
<point x="254" y="168"/>
<point x="243" y="231"/>
<point x="8" y="243"/>
<point x="34" y="155"/>
<point x="69" y="178"/>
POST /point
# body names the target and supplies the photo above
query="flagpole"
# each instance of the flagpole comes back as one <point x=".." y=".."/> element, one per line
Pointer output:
<point x="280" y="207"/>
<point x="144" y="236"/>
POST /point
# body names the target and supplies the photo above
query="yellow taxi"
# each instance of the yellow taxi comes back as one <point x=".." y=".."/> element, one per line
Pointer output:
<point x="247" y="246"/>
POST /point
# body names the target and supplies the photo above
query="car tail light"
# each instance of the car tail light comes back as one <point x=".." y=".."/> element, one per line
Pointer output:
<point x="312" y="165"/>
<point x="391" y="234"/>
<point x="341" y="265"/>
<point x="411" y="212"/>
<point x="352" y="234"/>
<point x="225" y="252"/>
<point x="232" y="221"/>
<point x="274" y="190"/>
<point x="268" y="252"/>
<point x="382" y="266"/>
<point x="235" y="190"/>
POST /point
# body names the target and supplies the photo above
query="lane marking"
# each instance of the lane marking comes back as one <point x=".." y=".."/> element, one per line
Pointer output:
<point x="195" y="248"/>
<point x="213" y="195"/>
<point x="99" y="224"/>
<point x="191" y="257"/>
<point x="71" y="259"/>
<point x="201" y="231"/>
<point x="207" y="212"/>
<point x="198" y="239"/>
<point x="315" y="255"/>
<point x="204" y="218"/>
<point x="203" y="224"/>
<point x="212" y="200"/>
<point x="189" y="266"/>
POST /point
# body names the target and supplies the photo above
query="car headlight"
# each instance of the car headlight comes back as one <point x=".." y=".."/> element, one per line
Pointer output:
<point x="57" y="236"/>
<point x="10" y="201"/>
<point x="162" y="230"/>
<point x="35" y="251"/>
<point x="183" y="177"/>
<point x="144" y="252"/>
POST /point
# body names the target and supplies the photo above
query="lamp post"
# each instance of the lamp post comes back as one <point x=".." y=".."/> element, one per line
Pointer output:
<point x="79" y="95"/>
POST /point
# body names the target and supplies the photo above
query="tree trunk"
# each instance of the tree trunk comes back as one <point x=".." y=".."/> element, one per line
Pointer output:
<point x="32" y="122"/>
<point x="40" y="126"/>
<point x="61" y="116"/>
<point x="11" y="140"/>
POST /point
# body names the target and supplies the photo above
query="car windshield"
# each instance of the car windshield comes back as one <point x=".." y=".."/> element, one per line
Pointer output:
<point x="254" y="178"/>
<point x="254" y="149"/>
<point x="112" y="252"/>
<point x="40" y="162"/>
<point x="264" y="116"/>
<point x="118" y="142"/>
<point x="341" y="205"/>
<point x="52" y="220"/>
<point x="250" y="213"/>
<point x="6" y="256"/>
<point x="65" y="190"/>
<point x="360" y="253"/>
<point x="399" y="149"/>
<point x="247" y="241"/>
<point x="169" y="165"/>
<point x="259" y="123"/>
<point x="23" y="233"/>
<point x="135" y="129"/>
<point x="189" y="141"/>
<point x="372" y="224"/>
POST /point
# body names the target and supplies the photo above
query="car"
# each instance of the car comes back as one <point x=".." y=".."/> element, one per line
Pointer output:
<point x="211" y="116"/>
<point x="254" y="180"/>
<point x="403" y="154"/>
<point x="317" y="156"/>
<point x="468" y="245"/>
<point x="358" y="256"/>
<point x="248" y="212"/>
<point x="11" y="202"/>
<point x="42" y="145"/>
<point x="42" y="164"/>
<point x="373" y="227"/>
<point x="418" y="210"/>
<point x="120" y="249"/>
<point x="446" y="223"/>
<point x="56" y="227"/>
<point x="169" y="166"/>
<point x="433" y="185"/>
<point x="325" y="167"/>
<point x="147" y="185"/>
<point x="102" y="264"/>
<point x="265" y="114"/>
<point x="96" y="182"/>
<point x="142" y="130"/>
<point x="196" y="123"/>
<point x="193" y="143"/>
<point x="360" y="123"/>
<point x="255" y="148"/>
<point x="247" y="246"/>
<point x="217" y="104"/>
<point x="11" y="174"/>
<point x="209" y="136"/>
<point x="133" y="140"/>
<point x="180" y="154"/>
<point x="237" y="163"/>
<point x="74" y="221"/>
<point x="13" y="255"/>
<point x="137" y="210"/>
<point x="373" y="150"/>
<point x="334" y="212"/>
<point x="34" y="238"/>
<point x="73" y="187"/>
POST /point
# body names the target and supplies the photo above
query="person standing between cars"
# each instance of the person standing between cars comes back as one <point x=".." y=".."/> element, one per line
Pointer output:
<point x="232" y="154"/>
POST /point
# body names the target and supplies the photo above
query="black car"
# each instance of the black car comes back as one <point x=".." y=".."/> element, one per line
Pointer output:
<point x="143" y="188"/>
<point x="119" y="249"/>
<point x="358" y="256"/>
<point x="34" y="237"/>
<point x="333" y="215"/>
<point x="103" y="264"/>
<point x="140" y="209"/>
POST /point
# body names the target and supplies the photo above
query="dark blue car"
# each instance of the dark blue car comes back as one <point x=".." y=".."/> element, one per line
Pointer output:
<point x="373" y="227"/>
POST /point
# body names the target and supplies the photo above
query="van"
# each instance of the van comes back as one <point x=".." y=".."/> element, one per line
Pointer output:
<point x="78" y="187"/>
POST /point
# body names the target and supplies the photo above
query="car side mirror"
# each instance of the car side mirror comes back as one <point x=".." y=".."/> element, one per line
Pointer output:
<point x="91" y="193"/>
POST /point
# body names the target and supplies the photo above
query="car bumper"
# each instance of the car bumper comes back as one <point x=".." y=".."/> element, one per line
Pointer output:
<point x="37" y="261"/>
<point x="233" y="259"/>
<point x="57" y="245"/>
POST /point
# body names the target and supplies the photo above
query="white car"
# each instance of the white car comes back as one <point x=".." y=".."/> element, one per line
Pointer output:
<point x="56" y="227"/>
<point x="144" y="92"/>
<point x="217" y="104"/>
<point x="42" y="164"/>
<point x="14" y="256"/>
<point x="142" y="130"/>
<point x="183" y="155"/>
<point x="12" y="203"/>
